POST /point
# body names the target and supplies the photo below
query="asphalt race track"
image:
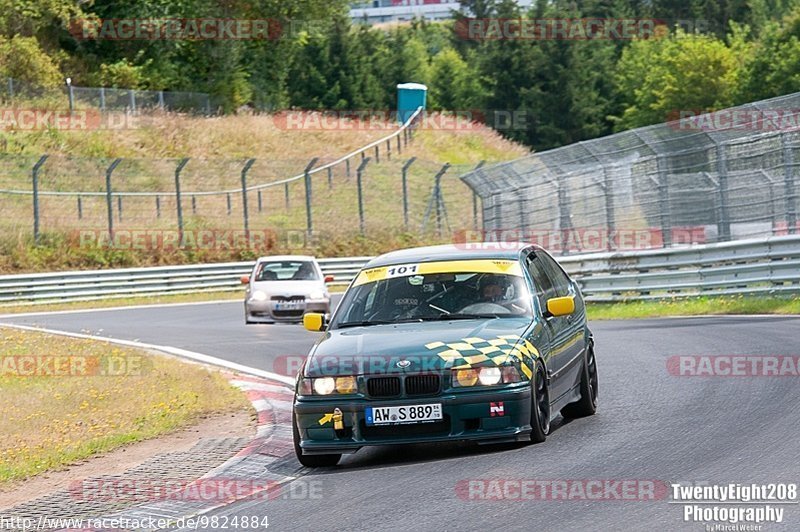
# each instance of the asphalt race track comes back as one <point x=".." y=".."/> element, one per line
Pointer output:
<point x="650" y="426"/>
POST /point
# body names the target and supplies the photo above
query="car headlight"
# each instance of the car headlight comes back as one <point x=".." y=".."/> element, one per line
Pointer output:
<point x="486" y="376"/>
<point x="317" y="294"/>
<point x="489" y="376"/>
<point x="327" y="385"/>
<point x="258" y="295"/>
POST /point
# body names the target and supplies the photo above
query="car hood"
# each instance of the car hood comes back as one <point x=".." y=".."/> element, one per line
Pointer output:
<point x="410" y="347"/>
<point x="287" y="288"/>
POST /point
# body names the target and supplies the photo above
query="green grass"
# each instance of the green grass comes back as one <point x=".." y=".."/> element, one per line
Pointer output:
<point x="50" y="421"/>
<point x="701" y="306"/>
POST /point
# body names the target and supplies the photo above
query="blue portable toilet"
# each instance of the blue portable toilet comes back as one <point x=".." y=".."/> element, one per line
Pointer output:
<point x="410" y="97"/>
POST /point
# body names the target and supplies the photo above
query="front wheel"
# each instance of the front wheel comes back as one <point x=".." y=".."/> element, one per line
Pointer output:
<point x="540" y="407"/>
<point x="587" y="405"/>
<point x="311" y="460"/>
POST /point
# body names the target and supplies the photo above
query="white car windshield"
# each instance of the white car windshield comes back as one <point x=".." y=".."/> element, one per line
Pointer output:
<point x="286" y="271"/>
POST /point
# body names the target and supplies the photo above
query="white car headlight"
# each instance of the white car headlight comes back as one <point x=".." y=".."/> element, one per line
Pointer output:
<point x="325" y="385"/>
<point x="489" y="376"/>
<point x="317" y="294"/>
<point x="258" y="295"/>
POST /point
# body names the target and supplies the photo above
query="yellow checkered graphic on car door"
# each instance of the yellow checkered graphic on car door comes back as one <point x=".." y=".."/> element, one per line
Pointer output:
<point x="473" y="351"/>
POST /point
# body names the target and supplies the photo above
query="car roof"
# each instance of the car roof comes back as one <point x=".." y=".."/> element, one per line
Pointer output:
<point x="287" y="257"/>
<point x="466" y="251"/>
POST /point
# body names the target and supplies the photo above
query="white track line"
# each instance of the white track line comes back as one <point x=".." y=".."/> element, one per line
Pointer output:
<point x="175" y="351"/>
<point x="122" y="307"/>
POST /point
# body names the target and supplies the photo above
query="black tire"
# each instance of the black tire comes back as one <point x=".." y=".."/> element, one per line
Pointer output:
<point x="311" y="460"/>
<point x="540" y="406"/>
<point x="587" y="405"/>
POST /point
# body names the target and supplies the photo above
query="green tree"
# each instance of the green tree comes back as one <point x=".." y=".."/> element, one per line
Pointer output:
<point x="657" y="78"/>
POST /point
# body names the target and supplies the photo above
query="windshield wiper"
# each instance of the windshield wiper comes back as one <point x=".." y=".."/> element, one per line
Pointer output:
<point x="364" y="323"/>
<point x="458" y="316"/>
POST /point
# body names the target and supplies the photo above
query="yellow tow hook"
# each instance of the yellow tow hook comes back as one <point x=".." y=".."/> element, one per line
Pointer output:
<point x="338" y="424"/>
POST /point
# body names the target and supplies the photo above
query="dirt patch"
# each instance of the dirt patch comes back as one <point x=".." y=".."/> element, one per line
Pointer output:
<point x="231" y="425"/>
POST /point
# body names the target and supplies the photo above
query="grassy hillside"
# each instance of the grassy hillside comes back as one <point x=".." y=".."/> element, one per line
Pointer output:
<point x="218" y="149"/>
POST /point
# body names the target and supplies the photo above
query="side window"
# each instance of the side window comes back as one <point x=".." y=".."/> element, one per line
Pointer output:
<point x="560" y="280"/>
<point x="541" y="281"/>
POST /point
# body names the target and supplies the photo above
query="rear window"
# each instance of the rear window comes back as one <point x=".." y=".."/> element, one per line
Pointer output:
<point x="286" y="271"/>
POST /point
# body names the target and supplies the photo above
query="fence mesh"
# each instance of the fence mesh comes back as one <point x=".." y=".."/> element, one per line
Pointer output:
<point x="704" y="178"/>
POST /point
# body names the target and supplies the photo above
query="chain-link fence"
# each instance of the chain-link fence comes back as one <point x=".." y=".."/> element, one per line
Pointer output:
<point x="702" y="178"/>
<point x="128" y="100"/>
<point x="378" y="190"/>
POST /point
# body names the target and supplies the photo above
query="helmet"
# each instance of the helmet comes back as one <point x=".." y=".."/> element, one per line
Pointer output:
<point x="485" y="281"/>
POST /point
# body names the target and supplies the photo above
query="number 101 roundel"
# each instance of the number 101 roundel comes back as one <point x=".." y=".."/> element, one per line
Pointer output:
<point x="445" y="344"/>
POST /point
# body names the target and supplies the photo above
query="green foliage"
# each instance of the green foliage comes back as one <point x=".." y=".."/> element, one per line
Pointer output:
<point x="660" y="77"/>
<point x="22" y="58"/>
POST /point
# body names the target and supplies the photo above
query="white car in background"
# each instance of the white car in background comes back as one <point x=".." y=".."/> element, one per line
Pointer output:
<point x="283" y="288"/>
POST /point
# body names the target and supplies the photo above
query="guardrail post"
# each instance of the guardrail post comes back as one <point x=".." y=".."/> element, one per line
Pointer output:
<point x="35" y="184"/>
<point x="788" y="179"/>
<point x="109" y="198"/>
<point x="194" y="204"/>
<point x="405" y="190"/>
<point x="102" y="98"/>
<point x="330" y="177"/>
<point x="724" y="228"/>
<point x="132" y="100"/>
<point x="475" y="200"/>
<point x="158" y="207"/>
<point x="10" y="87"/>
<point x="178" y="205"/>
<point x="307" y="174"/>
<point x="230" y="207"/>
<point x="80" y="209"/>
<point x="347" y="167"/>
<point x="245" y="214"/>
<point x="389" y="150"/>
<point x="359" y="177"/>
<point x="119" y="208"/>
<point x="663" y="198"/>
<point x="260" y="204"/>
<point x="286" y="195"/>
<point x="399" y="145"/>
<point x="377" y="154"/>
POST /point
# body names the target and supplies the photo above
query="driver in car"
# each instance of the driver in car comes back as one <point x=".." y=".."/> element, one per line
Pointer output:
<point x="492" y="289"/>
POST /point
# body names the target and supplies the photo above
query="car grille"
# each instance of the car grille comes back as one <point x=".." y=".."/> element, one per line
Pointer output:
<point x="414" y="385"/>
<point x="383" y="386"/>
<point x="422" y="384"/>
<point x="288" y="298"/>
<point x="287" y="313"/>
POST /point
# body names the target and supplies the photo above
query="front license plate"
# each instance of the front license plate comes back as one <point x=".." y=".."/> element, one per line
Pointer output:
<point x="400" y="415"/>
<point x="287" y="306"/>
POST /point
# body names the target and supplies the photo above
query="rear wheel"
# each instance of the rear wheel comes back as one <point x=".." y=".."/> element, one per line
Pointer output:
<point x="587" y="405"/>
<point x="311" y="460"/>
<point x="540" y="407"/>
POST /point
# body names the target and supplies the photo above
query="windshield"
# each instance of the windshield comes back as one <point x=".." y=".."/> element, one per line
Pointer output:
<point x="434" y="297"/>
<point x="286" y="270"/>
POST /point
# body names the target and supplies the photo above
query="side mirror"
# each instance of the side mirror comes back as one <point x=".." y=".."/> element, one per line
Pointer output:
<point x="561" y="306"/>
<point x="329" y="278"/>
<point x="314" y="321"/>
<point x="245" y="279"/>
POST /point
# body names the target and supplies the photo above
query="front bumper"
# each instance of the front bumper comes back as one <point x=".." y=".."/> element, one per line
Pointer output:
<point x="270" y="311"/>
<point x="467" y="416"/>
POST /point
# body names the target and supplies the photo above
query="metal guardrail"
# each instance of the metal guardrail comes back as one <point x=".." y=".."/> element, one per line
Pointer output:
<point x="759" y="267"/>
